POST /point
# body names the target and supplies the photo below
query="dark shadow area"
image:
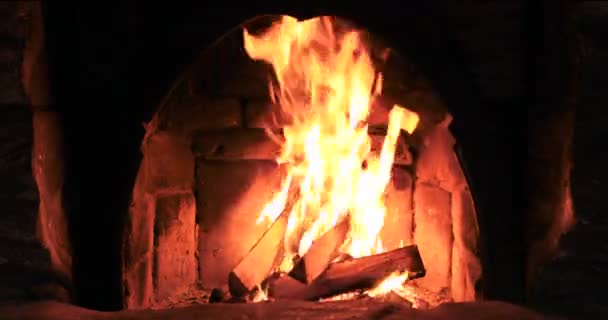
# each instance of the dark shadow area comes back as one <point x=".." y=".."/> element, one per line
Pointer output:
<point x="574" y="283"/>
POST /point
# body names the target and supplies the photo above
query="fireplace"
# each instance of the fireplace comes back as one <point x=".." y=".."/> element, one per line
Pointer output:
<point x="211" y="167"/>
<point x="168" y="214"/>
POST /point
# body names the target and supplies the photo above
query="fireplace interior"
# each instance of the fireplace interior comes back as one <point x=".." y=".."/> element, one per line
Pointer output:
<point x="269" y="160"/>
<point x="212" y="165"/>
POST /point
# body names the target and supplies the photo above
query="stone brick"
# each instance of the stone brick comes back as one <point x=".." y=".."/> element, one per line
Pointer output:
<point x="433" y="234"/>
<point x="466" y="272"/>
<point x="437" y="162"/>
<point x="138" y="250"/>
<point x="237" y="144"/>
<point x="230" y="197"/>
<point x="264" y="114"/>
<point x="176" y="244"/>
<point x="464" y="220"/>
<point x="186" y="112"/>
<point x="167" y="167"/>
<point x="237" y="75"/>
<point x="398" y="221"/>
<point x="168" y="163"/>
<point x="248" y="80"/>
<point x="466" y="267"/>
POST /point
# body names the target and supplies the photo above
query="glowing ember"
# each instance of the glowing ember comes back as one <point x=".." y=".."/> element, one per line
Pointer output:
<point x="326" y="82"/>
<point x="260" y="295"/>
<point x="392" y="283"/>
<point x="343" y="296"/>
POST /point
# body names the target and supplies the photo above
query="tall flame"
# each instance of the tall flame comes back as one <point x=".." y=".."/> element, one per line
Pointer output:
<point x="326" y="82"/>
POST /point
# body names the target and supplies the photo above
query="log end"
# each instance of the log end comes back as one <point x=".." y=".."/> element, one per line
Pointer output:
<point x="299" y="271"/>
<point x="236" y="286"/>
<point x="416" y="267"/>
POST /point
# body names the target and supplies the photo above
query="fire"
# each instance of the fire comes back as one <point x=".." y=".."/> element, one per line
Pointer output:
<point x="392" y="283"/>
<point x="260" y="295"/>
<point x="326" y="83"/>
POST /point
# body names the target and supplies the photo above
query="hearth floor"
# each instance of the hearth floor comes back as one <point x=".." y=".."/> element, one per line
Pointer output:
<point x="354" y="309"/>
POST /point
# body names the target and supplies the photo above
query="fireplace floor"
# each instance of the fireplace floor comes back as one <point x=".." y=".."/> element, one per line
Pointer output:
<point x="419" y="297"/>
<point x="353" y="309"/>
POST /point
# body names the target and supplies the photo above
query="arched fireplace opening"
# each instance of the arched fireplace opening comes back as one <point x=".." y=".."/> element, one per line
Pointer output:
<point x="210" y="167"/>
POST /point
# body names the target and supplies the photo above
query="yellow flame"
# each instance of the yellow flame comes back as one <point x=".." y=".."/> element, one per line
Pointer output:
<point x="260" y="295"/>
<point x="326" y="82"/>
<point x="273" y="209"/>
<point x="394" y="282"/>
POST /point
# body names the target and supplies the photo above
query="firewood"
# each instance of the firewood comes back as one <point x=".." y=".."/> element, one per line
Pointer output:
<point x="349" y="275"/>
<point x="285" y="287"/>
<point x="217" y="295"/>
<point x="264" y="256"/>
<point x="256" y="265"/>
<point x="322" y="252"/>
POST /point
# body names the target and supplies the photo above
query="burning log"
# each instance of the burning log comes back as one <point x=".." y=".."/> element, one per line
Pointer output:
<point x="264" y="256"/>
<point x="321" y="253"/>
<point x="260" y="261"/>
<point x="341" y="277"/>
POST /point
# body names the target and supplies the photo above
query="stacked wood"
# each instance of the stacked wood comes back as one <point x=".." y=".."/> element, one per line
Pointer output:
<point x="350" y="275"/>
<point x="259" y="262"/>
<point x="322" y="271"/>
<point x="264" y="256"/>
<point x="321" y="253"/>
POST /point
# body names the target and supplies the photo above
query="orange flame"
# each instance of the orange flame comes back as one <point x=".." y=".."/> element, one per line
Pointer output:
<point x="394" y="282"/>
<point x="326" y="82"/>
<point x="260" y="295"/>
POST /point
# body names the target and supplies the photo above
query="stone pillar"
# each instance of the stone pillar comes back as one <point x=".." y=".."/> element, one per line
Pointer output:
<point x="159" y="244"/>
<point x="35" y="250"/>
<point x="175" y="243"/>
<point x="161" y="251"/>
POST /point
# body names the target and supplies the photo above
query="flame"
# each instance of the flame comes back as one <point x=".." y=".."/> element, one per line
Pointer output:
<point x="344" y="296"/>
<point x="394" y="282"/>
<point x="326" y="83"/>
<point x="260" y="295"/>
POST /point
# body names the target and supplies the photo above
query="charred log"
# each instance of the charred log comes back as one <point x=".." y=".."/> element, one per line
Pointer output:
<point x="350" y="275"/>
